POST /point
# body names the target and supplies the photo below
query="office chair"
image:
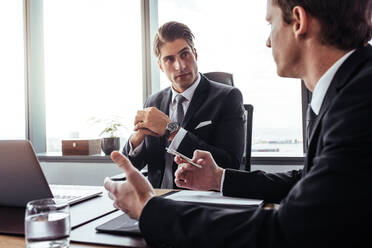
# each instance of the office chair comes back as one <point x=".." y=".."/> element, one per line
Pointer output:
<point x="248" y="136"/>
<point x="221" y="77"/>
<point x="227" y="78"/>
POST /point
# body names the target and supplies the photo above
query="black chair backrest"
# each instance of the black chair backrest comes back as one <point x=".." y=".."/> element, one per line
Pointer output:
<point x="248" y="136"/>
<point x="227" y="78"/>
<point x="221" y="77"/>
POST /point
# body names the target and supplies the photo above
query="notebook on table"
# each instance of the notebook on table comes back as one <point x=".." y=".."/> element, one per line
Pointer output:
<point x="120" y="225"/>
<point x="124" y="225"/>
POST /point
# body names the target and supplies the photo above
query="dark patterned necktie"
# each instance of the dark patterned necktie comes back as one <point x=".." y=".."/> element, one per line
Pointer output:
<point x="310" y="119"/>
<point x="177" y="116"/>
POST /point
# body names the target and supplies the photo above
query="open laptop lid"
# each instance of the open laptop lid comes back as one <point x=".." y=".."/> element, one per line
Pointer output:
<point x="21" y="178"/>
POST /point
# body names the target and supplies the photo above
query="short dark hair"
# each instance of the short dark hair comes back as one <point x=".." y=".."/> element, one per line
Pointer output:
<point x="172" y="31"/>
<point x="346" y="24"/>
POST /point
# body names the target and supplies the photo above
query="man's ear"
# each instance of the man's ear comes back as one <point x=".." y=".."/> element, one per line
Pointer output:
<point x="160" y="66"/>
<point x="195" y="53"/>
<point x="300" y="21"/>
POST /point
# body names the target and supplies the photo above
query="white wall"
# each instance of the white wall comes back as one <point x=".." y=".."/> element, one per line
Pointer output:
<point x="78" y="173"/>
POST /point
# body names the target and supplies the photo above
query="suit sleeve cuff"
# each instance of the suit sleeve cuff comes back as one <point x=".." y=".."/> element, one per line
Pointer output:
<point x="149" y="221"/>
<point x="222" y="181"/>
<point x="133" y="152"/>
<point x="178" y="139"/>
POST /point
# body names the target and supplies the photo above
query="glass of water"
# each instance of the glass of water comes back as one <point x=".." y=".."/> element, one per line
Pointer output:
<point x="47" y="223"/>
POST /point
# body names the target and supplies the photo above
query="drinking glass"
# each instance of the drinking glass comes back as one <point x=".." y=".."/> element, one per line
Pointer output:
<point x="47" y="223"/>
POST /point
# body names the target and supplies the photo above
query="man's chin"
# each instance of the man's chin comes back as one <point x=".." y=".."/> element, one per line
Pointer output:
<point x="184" y="77"/>
<point x="282" y="72"/>
<point x="183" y="84"/>
<point x="287" y="74"/>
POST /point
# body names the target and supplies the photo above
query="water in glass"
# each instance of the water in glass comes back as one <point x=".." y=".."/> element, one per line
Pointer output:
<point x="47" y="227"/>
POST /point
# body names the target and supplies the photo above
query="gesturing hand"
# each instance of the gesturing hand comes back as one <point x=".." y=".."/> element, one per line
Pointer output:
<point x="132" y="195"/>
<point x="191" y="177"/>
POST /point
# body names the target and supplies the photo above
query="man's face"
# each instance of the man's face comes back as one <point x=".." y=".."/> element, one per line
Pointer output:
<point x="178" y="61"/>
<point x="282" y="42"/>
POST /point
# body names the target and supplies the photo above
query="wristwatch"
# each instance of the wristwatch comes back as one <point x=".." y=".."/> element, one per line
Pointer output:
<point x="171" y="128"/>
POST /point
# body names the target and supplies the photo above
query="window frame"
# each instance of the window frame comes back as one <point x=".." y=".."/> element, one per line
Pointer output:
<point x="34" y="75"/>
<point x="35" y="84"/>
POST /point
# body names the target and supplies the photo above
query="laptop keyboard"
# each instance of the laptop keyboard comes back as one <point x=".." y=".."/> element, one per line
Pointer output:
<point x="66" y="197"/>
<point x="74" y="193"/>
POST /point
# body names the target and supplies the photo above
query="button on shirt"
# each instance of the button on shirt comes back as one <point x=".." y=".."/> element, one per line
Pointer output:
<point x="188" y="94"/>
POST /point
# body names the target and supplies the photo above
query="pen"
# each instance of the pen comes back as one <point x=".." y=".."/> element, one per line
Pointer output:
<point x="118" y="179"/>
<point x="188" y="160"/>
<point x="123" y="178"/>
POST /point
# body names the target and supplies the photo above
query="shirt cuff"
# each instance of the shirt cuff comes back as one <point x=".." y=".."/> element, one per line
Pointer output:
<point x="222" y="181"/>
<point x="134" y="152"/>
<point x="178" y="139"/>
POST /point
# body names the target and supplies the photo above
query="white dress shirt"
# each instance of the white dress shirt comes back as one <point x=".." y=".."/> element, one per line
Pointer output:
<point x="322" y="85"/>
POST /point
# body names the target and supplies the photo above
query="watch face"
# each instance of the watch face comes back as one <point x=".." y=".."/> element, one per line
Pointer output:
<point x="172" y="126"/>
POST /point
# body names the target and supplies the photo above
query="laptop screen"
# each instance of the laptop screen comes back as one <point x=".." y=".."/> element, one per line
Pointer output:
<point x="21" y="178"/>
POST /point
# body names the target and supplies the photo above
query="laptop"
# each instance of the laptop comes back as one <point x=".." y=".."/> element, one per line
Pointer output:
<point x="22" y="179"/>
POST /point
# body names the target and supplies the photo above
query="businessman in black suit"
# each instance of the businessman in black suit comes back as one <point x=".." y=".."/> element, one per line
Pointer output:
<point x="328" y="203"/>
<point x="212" y="114"/>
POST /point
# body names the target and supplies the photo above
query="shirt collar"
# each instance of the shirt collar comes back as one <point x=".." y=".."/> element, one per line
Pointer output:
<point x="321" y="87"/>
<point x="189" y="92"/>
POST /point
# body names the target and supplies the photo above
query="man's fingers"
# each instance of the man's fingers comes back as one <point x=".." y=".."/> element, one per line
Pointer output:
<point x="201" y="162"/>
<point x="111" y="196"/>
<point x="109" y="184"/>
<point x="203" y="155"/>
<point x="139" y="125"/>
<point x="185" y="167"/>
<point x="184" y="172"/>
<point x="179" y="160"/>
<point x="146" y="131"/>
<point x="180" y="183"/>
<point x="140" y="117"/>
<point x="200" y="154"/>
<point x="123" y="162"/>
<point x="179" y="174"/>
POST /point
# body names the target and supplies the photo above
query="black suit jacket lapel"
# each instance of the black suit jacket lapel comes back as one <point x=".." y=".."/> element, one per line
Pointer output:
<point x="197" y="100"/>
<point x="344" y="74"/>
<point x="165" y="102"/>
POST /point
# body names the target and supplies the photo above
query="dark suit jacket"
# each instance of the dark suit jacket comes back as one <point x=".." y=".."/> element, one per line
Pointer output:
<point x="224" y="137"/>
<point x="327" y="204"/>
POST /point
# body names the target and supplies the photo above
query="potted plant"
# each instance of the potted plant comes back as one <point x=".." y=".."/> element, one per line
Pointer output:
<point x="110" y="140"/>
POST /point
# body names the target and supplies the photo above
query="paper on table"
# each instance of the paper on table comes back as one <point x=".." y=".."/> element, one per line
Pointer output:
<point x="212" y="198"/>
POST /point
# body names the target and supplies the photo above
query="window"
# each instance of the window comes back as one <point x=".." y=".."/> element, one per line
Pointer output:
<point x="12" y="81"/>
<point x="231" y="37"/>
<point x="93" y="66"/>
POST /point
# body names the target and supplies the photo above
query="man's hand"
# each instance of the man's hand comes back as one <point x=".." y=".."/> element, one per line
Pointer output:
<point x="137" y="137"/>
<point x="152" y="119"/>
<point x="191" y="177"/>
<point x="132" y="195"/>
